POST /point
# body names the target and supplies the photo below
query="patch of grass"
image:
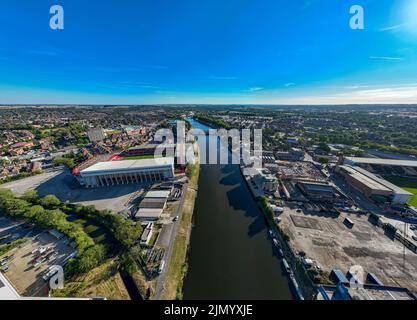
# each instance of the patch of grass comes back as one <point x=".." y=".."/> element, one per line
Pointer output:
<point x="99" y="234"/>
<point x="139" y="157"/>
<point x="103" y="281"/>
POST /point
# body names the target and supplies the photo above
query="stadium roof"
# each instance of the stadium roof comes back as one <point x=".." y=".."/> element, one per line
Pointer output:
<point x="378" y="161"/>
<point x="128" y="165"/>
<point x="372" y="181"/>
<point x="368" y="181"/>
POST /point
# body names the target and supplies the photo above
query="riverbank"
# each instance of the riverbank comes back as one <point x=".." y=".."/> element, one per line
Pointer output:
<point x="231" y="255"/>
<point x="177" y="266"/>
<point x="300" y="279"/>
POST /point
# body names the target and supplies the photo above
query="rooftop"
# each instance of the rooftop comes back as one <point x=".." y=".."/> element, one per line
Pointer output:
<point x="147" y="213"/>
<point x="129" y="164"/>
<point x="158" y="194"/>
<point x="369" y="182"/>
<point x="372" y="181"/>
<point x="378" y="161"/>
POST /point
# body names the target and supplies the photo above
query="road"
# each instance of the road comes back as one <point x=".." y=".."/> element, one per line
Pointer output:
<point x="168" y="252"/>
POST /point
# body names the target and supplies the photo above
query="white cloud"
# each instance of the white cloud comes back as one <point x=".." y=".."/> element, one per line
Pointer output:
<point x="255" y="89"/>
<point x="289" y="84"/>
<point x="384" y="58"/>
<point x="383" y="95"/>
<point x="394" y="27"/>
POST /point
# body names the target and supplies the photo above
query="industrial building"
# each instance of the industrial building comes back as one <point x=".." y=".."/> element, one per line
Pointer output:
<point x="319" y="191"/>
<point x="147" y="234"/>
<point x="127" y="171"/>
<point x="373" y="186"/>
<point x="152" y="205"/>
<point x="384" y="166"/>
<point x="295" y="154"/>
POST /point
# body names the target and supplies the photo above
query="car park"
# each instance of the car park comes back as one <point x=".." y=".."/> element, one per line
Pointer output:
<point x="50" y="273"/>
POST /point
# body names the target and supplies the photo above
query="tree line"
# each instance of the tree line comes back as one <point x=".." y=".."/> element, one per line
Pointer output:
<point x="49" y="212"/>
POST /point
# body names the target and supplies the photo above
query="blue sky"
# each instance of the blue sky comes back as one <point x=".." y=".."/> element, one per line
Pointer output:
<point x="208" y="51"/>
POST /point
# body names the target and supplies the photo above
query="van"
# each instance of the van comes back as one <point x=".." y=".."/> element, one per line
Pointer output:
<point x="161" y="267"/>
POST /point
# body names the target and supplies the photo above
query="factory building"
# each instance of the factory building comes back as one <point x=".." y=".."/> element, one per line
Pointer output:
<point x="152" y="206"/>
<point x="320" y="191"/>
<point x="127" y="171"/>
<point x="373" y="186"/>
<point x="294" y="154"/>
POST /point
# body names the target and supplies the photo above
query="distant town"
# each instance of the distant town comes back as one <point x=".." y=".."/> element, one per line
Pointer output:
<point x="334" y="203"/>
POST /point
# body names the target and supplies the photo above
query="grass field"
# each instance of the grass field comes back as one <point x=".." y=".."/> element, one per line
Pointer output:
<point x="103" y="281"/>
<point x="408" y="184"/>
<point x="138" y="157"/>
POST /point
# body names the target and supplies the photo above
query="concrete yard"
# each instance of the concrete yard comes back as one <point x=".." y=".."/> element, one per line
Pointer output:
<point x="328" y="241"/>
<point x="62" y="184"/>
<point x="26" y="278"/>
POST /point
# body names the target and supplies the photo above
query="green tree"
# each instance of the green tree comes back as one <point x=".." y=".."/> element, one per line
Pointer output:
<point x="91" y="258"/>
<point x="31" y="196"/>
<point x="50" y="201"/>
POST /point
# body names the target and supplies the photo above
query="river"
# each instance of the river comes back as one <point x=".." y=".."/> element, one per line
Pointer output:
<point x="231" y="255"/>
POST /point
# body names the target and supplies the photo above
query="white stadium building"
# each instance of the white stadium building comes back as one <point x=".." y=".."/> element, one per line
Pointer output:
<point x="127" y="171"/>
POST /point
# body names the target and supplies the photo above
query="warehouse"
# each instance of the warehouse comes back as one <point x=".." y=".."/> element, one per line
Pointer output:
<point x="320" y="191"/>
<point x="127" y="171"/>
<point x="152" y="205"/>
<point x="372" y="186"/>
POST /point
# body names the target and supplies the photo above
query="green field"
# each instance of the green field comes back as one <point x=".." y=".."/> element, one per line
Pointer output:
<point x="139" y="157"/>
<point x="408" y="184"/>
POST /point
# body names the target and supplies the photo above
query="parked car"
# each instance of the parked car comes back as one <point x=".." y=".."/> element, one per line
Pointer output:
<point x="4" y="269"/>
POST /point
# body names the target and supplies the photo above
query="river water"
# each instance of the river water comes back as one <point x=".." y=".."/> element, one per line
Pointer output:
<point x="231" y="254"/>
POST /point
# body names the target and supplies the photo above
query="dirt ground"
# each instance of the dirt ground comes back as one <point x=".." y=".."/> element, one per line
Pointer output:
<point x="332" y="244"/>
